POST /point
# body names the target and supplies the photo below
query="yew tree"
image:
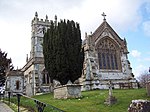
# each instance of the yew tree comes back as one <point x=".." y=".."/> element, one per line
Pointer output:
<point x="5" y="65"/>
<point x="63" y="52"/>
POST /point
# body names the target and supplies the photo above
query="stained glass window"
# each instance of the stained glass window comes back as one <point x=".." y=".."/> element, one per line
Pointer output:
<point x="112" y="62"/>
<point x="107" y="55"/>
<point x="104" y="61"/>
<point x="115" y="59"/>
<point x="100" y="60"/>
<point x="108" y="60"/>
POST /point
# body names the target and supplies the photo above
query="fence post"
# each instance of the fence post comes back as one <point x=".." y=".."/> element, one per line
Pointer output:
<point x="18" y="99"/>
<point x="40" y="106"/>
<point x="0" y="96"/>
<point x="9" y="96"/>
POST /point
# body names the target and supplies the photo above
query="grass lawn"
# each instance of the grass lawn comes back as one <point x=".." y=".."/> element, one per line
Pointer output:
<point x="91" y="101"/>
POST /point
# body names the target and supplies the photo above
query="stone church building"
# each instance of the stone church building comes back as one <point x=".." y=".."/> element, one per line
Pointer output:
<point x="106" y="58"/>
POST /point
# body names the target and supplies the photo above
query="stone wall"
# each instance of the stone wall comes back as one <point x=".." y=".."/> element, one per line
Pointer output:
<point x="67" y="91"/>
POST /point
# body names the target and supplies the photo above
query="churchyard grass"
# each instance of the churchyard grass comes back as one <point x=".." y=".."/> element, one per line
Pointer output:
<point x="91" y="101"/>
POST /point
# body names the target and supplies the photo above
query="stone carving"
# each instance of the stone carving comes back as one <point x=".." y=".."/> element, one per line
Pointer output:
<point x="107" y="44"/>
<point x="56" y="83"/>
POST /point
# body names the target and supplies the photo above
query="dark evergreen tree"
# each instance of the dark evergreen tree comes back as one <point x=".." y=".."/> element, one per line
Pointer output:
<point x="63" y="53"/>
<point x="5" y="65"/>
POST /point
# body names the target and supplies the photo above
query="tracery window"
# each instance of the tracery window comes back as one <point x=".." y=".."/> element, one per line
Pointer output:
<point x="45" y="79"/>
<point x="108" y="57"/>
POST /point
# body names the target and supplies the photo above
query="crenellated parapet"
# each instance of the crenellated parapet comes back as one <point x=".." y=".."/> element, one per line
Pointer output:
<point x="36" y="19"/>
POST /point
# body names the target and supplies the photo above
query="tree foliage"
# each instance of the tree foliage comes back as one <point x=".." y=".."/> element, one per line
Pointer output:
<point x="5" y="65"/>
<point x="62" y="51"/>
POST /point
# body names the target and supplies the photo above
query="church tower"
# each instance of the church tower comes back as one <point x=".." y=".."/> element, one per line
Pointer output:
<point x="106" y="59"/>
<point x="35" y="63"/>
<point x="37" y="34"/>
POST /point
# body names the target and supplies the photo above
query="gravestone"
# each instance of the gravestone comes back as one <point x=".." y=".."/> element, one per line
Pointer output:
<point x="148" y="88"/>
<point x="139" y="106"/>
<point x="67" y="91"/>
<point x="111" y="99"/>
<point x="29" y="91"/>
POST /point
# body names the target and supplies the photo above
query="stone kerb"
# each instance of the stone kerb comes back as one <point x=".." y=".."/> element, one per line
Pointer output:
<point x="67" y="91"/>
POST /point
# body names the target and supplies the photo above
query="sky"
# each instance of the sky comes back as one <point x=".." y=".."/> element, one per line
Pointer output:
<point x="129" y="18"/>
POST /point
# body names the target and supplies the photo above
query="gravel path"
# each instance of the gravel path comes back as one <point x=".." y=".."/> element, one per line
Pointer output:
<point x="5" y="108"/>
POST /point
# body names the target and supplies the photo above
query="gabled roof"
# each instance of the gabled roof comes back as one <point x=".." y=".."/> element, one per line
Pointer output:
<point x="102" y="28"/>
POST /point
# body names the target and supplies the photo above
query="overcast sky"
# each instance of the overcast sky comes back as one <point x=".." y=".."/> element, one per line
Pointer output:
<point x="129" y="18"/>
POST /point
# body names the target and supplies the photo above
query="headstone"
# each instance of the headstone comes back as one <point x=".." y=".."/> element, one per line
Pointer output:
<point x="29" y="91"/>
<point x="139" y="106"/>
<point x="111" y="99"/>
<point x="148" y="88"/>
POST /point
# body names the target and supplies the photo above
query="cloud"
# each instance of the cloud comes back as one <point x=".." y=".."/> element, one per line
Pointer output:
<point x="140" y="69"/>
<point x="16" y="16"/>
<point x="146" y="28"/>
<point x="147" y="59"/>
<point x="135" y="53"/>
<point x="147" y="7"/>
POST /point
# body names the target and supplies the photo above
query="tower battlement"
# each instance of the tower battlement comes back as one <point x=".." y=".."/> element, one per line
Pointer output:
<point x="37" y="20"/>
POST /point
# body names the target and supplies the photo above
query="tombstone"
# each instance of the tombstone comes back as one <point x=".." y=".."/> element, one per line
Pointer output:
<point x="148" y="88"/>
<point x="67" y="91"/>
<point x="139" y="106"/>
<point x="29" y="91"/>
<point x="111" y="99"/>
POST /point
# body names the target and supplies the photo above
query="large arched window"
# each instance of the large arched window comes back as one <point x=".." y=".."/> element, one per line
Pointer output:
<point x="108" y="54"/>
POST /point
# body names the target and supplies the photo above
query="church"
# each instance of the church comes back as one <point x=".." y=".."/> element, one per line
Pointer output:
<point x="106" y="59"/>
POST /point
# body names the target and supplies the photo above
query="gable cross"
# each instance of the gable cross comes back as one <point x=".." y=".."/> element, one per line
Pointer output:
<point x="104" y="15"/>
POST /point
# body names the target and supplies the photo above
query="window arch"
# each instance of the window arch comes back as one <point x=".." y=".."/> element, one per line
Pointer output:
<point x="45" y="78"/>
<point x="108" y="54"/>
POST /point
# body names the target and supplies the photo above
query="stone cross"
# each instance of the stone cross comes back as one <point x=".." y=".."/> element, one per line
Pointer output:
<point x="104" y="15"/>
<point x="110" y="88"/>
